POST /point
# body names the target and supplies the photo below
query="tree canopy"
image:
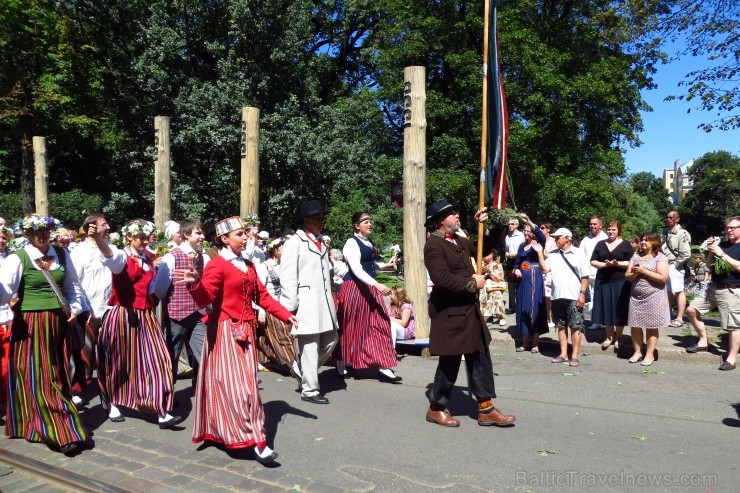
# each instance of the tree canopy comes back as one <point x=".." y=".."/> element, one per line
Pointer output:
<point x="327" y="77"/>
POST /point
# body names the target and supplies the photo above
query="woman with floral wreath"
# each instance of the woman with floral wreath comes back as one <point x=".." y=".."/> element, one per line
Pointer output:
<point x="227" y="404"/>
<point x="274" y="342"/>
<point x="134" y="368"/>
<point x="40" y="407"/>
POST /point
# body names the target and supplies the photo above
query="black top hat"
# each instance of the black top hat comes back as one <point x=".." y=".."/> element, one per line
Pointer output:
<point x="308" y="209"/>
<point x="436" y="209"/>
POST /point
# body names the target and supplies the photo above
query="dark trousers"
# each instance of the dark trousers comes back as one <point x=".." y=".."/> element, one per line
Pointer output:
<point x="480" y="376"/>
<point x="189" y="330"/>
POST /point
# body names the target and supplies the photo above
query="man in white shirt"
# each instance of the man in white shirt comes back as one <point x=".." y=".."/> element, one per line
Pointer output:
<point x="95" y="282"/>
<point x="181" y="316"/>
<point x="588" y="243"/>
<point x="570" y="270"/>
<point x="514" y="238"/>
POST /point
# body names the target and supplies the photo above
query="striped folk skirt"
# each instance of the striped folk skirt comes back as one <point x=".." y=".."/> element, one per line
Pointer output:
<point x="40" y="405"/>
<point x="365" y="327"/>
<point x="274" y="342"/>
<point x="134" y="368"/>
<point x="227" y="406"/>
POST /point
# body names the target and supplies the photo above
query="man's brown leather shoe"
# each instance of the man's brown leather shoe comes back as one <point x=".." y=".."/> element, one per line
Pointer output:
<point x="495" y="418"/>
<point x="442" y="418"/>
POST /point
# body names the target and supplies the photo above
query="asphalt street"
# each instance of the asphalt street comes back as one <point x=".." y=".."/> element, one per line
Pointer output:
<point x="604" y="426"/>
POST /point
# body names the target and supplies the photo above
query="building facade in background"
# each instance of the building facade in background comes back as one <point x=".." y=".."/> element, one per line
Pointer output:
<point x="677" y="180"/>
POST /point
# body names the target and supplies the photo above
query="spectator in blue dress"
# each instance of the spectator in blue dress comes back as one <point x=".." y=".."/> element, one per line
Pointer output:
<point x="531" y="310"/>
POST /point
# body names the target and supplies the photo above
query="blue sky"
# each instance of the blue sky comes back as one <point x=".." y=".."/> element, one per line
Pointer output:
<point x="669" y="132"/>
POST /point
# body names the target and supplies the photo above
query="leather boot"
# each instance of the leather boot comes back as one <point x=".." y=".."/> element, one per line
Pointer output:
<point x="494" y="417"/>
<point x="442" y="418"/>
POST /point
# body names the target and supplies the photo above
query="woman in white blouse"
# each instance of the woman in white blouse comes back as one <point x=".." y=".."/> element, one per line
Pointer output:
<point x="365" y="327"/>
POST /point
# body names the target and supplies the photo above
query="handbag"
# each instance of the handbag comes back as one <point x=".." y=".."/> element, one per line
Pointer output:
<point x="587" y="294"/>
<point x="75" y="335"/>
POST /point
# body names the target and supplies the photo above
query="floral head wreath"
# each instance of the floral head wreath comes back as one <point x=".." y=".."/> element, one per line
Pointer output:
<point x="275" y="243"/>
<point x="35" y="222"/>
<point x="7" y="232"/>
<point x="138" y="227"/>
<point x="251" y="219"/>
<point x="62" y="234"/>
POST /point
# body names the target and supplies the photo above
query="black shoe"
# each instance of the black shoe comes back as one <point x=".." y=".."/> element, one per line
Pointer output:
<point x="315" y="399"/>
<point x="266" y="460"/>
<point x="69" y="448"/>
<point x="118" y="419"/>
<point x="395" y="380"/>
<point x="170" y="423"/>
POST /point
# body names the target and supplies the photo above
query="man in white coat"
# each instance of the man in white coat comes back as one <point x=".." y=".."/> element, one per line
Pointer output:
<point x="305" y="280"/>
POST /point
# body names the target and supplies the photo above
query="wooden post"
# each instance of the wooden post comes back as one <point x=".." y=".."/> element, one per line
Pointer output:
<point x="162" y="188"/>
<point x="41" y="176"/>
<point x="414" y="194"/>
<point x="250" y="164"/>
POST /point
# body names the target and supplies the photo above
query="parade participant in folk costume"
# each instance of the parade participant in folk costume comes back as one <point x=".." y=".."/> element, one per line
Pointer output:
<point x="457" y="326"/>
<point x="40" y="407"/>
<point x="6" y="317"/>
<point x="227" y="403"/>
<point x="96" y="284"/>
<point x="306" y="290"/>
<point x="365" y="326"/>
<point x="274" y="341"/>
<point x="182" y="319"/>
<point x="134" y="368"/>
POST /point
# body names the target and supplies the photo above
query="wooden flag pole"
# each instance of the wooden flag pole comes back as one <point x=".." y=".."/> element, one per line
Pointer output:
<point x="483" y="138"/>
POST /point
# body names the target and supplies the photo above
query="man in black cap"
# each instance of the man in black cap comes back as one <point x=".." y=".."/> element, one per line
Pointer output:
<point x="305" y="263"/>
<point x="458" y="327"/>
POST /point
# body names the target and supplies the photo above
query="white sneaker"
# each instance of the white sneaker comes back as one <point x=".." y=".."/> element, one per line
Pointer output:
<point x="503" y="322"/>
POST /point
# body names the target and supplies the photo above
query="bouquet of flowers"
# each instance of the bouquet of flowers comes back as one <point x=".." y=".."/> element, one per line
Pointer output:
<point x="162" y="245"/>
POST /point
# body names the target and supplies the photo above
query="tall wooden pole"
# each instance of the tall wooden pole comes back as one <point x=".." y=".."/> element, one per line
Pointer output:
<point x="41" y="176"/>
<point x="483" y="139"/>
<point x="414" y="193"/>
<point x="250" y="165"/>
<point x="162" y="187"/>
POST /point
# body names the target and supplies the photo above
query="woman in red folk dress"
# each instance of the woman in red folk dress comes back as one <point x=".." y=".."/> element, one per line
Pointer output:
<point x="227" y="404"/>
<point x="134" y="368"/>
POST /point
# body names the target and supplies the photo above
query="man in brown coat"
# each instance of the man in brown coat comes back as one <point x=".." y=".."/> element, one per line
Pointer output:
<point x="458" y="327"/>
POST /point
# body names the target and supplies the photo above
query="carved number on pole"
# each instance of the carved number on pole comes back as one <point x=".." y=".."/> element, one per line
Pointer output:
<point x="407" y="104"/>
<point x="244" y="140"/>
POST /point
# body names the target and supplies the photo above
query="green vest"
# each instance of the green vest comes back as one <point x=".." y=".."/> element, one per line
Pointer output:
<point x="34" y="293"/>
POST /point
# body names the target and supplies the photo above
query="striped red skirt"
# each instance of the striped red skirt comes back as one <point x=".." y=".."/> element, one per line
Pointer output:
<point x="40" y="405"/>
<point x="134" y="368"/>
<point x="227" y="406"/>
<point x="365" y="327"/>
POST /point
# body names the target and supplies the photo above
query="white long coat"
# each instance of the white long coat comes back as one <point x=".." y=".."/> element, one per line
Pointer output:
<point x="305" y="282"/>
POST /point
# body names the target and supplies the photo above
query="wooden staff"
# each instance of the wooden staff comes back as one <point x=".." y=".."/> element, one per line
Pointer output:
<point x="483" y="138"/>
<point x="41" y="176"/>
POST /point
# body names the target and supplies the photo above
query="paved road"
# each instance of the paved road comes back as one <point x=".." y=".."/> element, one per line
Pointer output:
<point x="608" y="421"/>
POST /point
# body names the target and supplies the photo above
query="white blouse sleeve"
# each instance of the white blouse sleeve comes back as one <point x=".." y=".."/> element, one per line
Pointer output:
<point x="10" y="278"/>
<point x="71" y="287"/>
<point x="352" y="256"/>
<point x="116" y="262"/>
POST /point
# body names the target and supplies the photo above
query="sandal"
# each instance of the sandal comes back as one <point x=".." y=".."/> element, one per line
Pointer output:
<point x="559" y="359"/>
<point x="574" y="362"/>
<point x="676" y="323"/>
<point x="606" y="344"/>
<point x="535" y="350"/>
<point x="634" y="359"/>
<point x="521" y="349"/>
<point x="696" y="348"/>
<point x="726" y="366"/>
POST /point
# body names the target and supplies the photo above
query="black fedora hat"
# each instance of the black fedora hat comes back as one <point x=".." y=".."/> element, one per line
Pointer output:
<point x="308" y="209"/>
<point x="436" y="209"/>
